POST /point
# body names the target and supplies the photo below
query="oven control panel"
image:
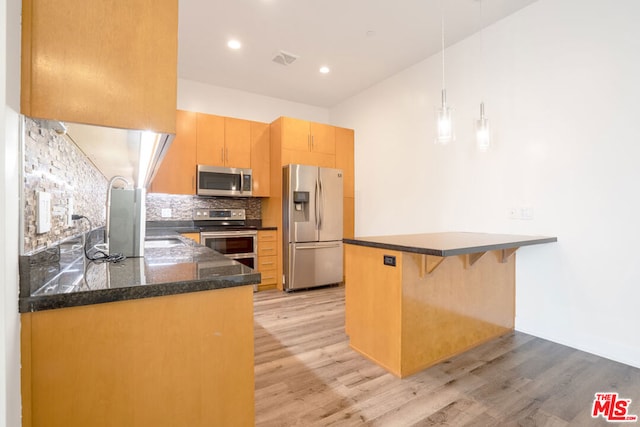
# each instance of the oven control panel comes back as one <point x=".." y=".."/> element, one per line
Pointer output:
<point x="219" y="214"/>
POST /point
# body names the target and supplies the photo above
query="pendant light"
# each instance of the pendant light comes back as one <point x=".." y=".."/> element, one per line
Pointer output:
<point x="445" y="113"/>
<point x="483" y="133"/>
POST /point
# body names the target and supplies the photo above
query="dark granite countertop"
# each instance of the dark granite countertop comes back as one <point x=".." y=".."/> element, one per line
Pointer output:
<point x="449" y="243"/>
<point x="61" y="276"/>
<point x="198" y="226"/>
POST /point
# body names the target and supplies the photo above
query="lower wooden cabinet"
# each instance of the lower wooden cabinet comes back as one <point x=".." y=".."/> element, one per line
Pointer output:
<point x="177" y="360"/>
<point x="268" y="259"/>
<point x="193" y="236"/>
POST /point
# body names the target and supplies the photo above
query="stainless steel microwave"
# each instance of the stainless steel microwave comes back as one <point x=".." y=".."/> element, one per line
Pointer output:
<point x="221" y="181"/>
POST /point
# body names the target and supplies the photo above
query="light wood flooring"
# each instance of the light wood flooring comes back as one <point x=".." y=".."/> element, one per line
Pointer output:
<point x="306" y="375"/>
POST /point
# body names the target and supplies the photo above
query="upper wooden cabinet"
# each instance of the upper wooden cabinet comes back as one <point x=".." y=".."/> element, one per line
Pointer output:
<point x="103" y="63"/>
<point x="210" y="139"/>
<point x="260" y="159"/>
<point x="308" y="136"/>
<point x="177" y="172"/>
<point x="345" y="158"/>
<point x="237" y="142"/>
<point x="223" y="141"/>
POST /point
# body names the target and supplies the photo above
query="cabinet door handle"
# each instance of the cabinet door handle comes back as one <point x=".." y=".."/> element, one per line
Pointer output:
<point x="312" y="143"/>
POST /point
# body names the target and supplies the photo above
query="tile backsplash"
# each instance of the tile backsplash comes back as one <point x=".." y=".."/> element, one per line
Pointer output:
<point x="53" y="164"/>
<point x="181" y="207"/>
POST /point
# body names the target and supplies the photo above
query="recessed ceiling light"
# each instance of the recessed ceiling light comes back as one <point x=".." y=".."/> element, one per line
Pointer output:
<point x="324" y="69"/>
<point x="234" y="44"/>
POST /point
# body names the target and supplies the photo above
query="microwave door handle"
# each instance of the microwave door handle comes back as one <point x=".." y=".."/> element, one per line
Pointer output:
<point x="241" y="181"/>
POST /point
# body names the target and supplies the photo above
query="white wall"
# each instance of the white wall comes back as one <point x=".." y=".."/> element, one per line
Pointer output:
<point x="563" y="96"/>
<point x="9" y="190"/>
<point x="195" y="96"/>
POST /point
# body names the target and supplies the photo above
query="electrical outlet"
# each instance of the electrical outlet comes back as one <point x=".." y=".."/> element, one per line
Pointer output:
<point x="166" y="213"/>
<point x="522" y="213"/>
<point x="43" y="220"/>
<point x="526" y="213"/>
<point x="69" y="212"/>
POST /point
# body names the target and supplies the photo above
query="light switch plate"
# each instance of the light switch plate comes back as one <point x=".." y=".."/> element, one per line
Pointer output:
<point x="166" y="213"/>
<point x="69" y="212"/>
<point x="43" y="212"/>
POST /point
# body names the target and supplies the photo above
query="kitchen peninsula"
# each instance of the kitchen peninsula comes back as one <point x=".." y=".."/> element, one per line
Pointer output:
<point x="162" y="340"/>
<point x="414" y="300"/>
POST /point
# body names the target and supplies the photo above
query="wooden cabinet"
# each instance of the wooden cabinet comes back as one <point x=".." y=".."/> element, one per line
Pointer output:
<point x="345" y="161"/>
<point x="268" y="258"/>
<point x="260" y="159"/>
<point x="345" y="158"/>
<point x="193" y="236"/>
<point x="223" y="141"/>
<point x="210" y="139"/>
<point x="207" y="139"/>
<point x="102" y="63"/>
<point x="291" y="143"/>
<point x="307" y="143"/>
<point x="177" y="172"/>
<point x="174" y="360"/>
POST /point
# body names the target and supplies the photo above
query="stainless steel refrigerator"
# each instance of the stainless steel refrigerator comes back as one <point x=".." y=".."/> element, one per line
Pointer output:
<point x="312" y="233"/>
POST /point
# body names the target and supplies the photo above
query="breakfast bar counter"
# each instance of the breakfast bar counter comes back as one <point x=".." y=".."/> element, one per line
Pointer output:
<point x="162" y="340"/>
<point x="414" y="300"/>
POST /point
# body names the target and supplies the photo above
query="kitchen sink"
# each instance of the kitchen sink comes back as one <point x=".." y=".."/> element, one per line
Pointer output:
<point x="163" y="242"/>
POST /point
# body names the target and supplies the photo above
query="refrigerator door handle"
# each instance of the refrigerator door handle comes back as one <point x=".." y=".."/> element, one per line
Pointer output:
<point x="315" y="207"/>
<point x="321" y="208"/>
<point x="332" y="245"/>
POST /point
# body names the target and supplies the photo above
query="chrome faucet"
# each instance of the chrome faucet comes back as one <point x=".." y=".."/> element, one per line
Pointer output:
<point x="108" y="217"/>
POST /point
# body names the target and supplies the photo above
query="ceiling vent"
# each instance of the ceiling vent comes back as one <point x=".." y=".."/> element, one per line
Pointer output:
<point x="284" y="58"/>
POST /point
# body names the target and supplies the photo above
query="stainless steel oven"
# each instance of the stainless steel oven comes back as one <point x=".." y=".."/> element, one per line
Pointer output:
<point x="240" y="245"/>
<point x="223" y="230"/>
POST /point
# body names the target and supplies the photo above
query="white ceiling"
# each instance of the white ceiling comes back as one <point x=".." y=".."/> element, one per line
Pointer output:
<point x="362" y="41"/>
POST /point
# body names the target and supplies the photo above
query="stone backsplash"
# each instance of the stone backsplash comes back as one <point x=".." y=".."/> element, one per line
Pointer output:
<point x="53" y="164"/>
<point x="182" y="207"/>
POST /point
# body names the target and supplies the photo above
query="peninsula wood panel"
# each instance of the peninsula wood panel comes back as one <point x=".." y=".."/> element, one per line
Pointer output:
<point x="455" y="308"/>
<point x="373" y="298"/>
<point x="177" y="172"/>
<point x="176" y="360"/>
<point x="103" y="63"/>
<point x="407" y="320"/>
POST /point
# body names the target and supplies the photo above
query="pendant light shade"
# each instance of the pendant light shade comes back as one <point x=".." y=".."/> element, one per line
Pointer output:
<point x="445" y="121"/>
<point x="483" y="132"/>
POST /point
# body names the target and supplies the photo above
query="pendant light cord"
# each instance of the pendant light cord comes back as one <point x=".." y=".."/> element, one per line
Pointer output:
<point x="482" y="71"/>
<point x="442" y="39"/>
